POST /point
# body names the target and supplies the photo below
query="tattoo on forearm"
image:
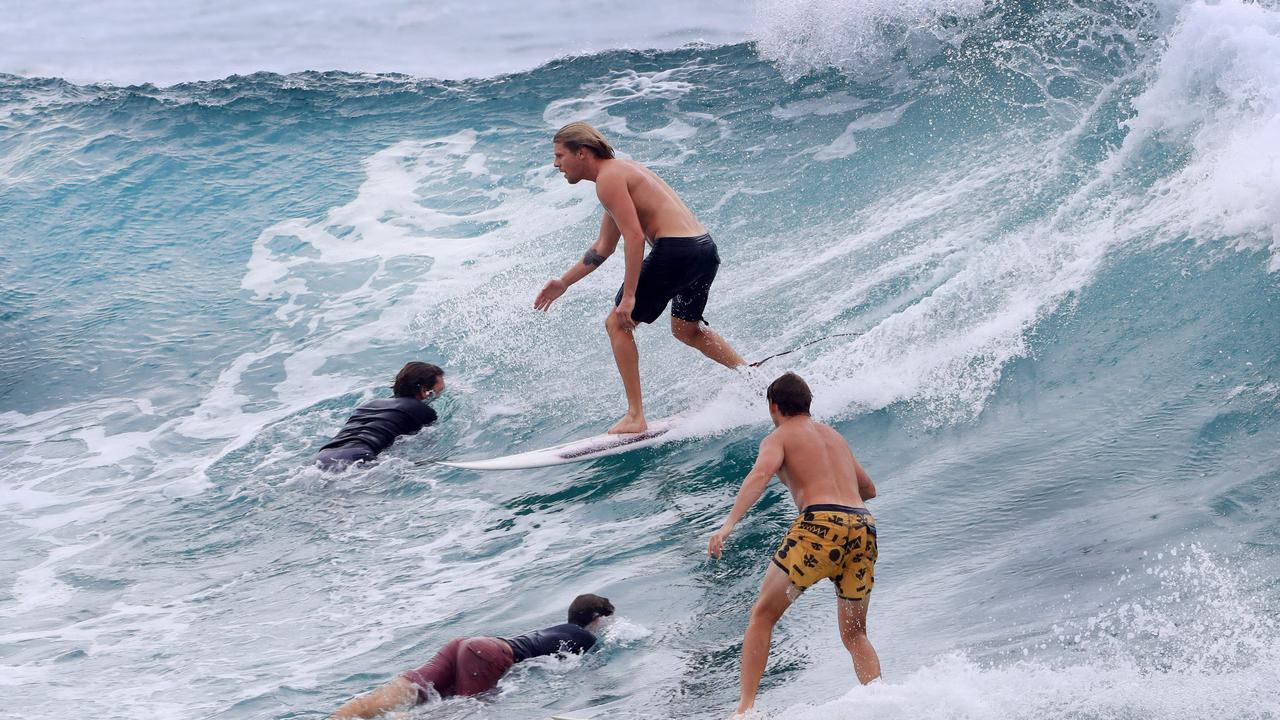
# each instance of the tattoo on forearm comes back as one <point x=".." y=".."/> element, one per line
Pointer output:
<point x="592" y="258"/>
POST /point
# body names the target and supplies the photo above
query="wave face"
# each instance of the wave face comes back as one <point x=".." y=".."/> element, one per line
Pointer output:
<point x="1049" y="231"/>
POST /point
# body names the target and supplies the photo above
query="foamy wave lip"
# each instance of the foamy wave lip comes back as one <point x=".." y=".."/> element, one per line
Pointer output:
<point x="1217" y="88"/>
<point x="626" y="86"/>
<point x="1204" y="645"/>
<point x="860" y="37"/>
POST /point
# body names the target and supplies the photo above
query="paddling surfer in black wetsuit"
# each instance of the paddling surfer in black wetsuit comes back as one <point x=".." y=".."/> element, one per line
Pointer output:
<point x="375" y="425"/>
<point x="469" y="666"/>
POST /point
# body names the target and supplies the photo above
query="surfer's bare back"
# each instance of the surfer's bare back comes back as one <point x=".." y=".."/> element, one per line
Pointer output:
<point x="640" y="208"/>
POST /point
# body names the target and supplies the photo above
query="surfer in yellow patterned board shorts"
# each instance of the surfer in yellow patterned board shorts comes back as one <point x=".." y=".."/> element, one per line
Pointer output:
<point x="833" y="537"/>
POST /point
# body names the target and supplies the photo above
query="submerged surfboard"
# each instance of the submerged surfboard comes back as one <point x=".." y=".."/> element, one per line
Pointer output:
<point x="577" y="450"/>
<point x="595" y="712"/>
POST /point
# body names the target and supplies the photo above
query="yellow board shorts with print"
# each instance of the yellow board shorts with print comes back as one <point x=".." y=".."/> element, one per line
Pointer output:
<point x="831" y="541"/>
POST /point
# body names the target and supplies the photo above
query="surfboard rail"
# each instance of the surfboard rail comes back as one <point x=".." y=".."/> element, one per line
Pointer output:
<point x="597" y="446"/>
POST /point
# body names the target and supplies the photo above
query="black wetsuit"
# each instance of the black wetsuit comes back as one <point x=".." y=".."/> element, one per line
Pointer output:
<point x="373" y="427"/>
<point x="558" y="639"/>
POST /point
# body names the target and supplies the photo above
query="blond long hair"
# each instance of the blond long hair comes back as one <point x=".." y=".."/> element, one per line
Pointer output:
<point x="577" y="135"/>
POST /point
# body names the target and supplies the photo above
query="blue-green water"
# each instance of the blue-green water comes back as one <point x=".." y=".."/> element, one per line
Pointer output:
<point x="1055" y="227"/>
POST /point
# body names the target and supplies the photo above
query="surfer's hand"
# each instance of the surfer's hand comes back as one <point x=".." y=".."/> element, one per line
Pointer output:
<point x="623" y="311"/>
<point x="554" y="288"/>
<point x="716" y="545"/>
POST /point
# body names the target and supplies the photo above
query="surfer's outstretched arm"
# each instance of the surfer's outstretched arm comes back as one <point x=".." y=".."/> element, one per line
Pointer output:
<point x="600" y="250"/>
<point x="768" y="463"/>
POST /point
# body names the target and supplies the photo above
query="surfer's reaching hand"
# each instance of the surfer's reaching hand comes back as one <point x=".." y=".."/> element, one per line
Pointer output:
<point x="552" y="291"/>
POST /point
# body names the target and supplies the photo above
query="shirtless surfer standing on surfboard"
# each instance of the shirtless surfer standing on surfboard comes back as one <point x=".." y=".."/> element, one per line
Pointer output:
<point x="640" y="208"/>
<point x="833" y="537"/>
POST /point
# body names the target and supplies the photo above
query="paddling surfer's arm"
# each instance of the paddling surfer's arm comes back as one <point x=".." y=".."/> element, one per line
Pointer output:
<point x="594" y="257"/>
<point x="768" y="463"/>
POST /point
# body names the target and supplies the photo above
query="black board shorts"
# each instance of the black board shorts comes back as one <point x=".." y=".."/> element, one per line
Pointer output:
<point x="678" y="270"/>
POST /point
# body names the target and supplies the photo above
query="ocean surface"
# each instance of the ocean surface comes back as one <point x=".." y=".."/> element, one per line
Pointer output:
<point x="1049" y="232"/>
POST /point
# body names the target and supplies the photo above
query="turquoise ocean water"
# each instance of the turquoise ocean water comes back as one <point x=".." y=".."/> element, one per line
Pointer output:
<point x="1055" y="227"/>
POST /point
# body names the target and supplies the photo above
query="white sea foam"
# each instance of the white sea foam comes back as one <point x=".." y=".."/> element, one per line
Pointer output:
<point x="38" y="586"/>
<point x="1216" y="89"/>
<point x="862" y="37"/>
<point x="624" y="86"/>
<point x="1197" y="644"/>
<point x="974" y="296"/>
<point x="621" y="631"/>
<point x="846" y="145"/>
<point x="956" y="687"/>
<point x="830" y="104"/>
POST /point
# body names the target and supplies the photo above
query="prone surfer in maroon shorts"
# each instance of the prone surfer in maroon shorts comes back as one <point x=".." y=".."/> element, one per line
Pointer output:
<point x="469" y="666"/>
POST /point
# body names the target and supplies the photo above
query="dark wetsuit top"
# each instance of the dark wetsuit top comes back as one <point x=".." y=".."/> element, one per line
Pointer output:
<point x="377" y="423"/>
<point x="561" y="638"/>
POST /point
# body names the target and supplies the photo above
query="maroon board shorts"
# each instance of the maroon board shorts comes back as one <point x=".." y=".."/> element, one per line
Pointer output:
<point x="465" y="666"/>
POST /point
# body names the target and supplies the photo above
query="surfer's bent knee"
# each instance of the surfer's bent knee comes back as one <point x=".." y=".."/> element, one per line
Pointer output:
<point x="611" y="324"/>
<point x="686" y="332"/>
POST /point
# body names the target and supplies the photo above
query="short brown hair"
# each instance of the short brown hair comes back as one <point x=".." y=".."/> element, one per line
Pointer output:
<point x="413" y="377"/>
<point x="791" y="394"/>
<point x="577" y="135"/>
<point x="588" y="607"/>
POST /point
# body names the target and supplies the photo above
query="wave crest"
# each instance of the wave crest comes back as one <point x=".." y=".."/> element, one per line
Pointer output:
<point x="859" y="37"/>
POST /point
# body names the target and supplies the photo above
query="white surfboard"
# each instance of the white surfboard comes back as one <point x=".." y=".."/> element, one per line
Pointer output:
<point x="577" y="450"/>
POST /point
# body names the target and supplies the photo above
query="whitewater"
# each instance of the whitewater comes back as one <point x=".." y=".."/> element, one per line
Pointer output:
<point x="1045" y="235"/>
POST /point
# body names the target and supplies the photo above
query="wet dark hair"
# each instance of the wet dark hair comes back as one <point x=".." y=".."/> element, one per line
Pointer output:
<point x="588" y="607"/>
<point x="415" y="376"/>
<point x="791" y="394"/>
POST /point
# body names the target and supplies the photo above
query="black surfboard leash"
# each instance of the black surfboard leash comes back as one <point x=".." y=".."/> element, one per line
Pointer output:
<point x="758" y="363"/>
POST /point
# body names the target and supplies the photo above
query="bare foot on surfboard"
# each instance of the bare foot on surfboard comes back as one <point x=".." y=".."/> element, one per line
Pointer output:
<point x="629" y="424"/>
